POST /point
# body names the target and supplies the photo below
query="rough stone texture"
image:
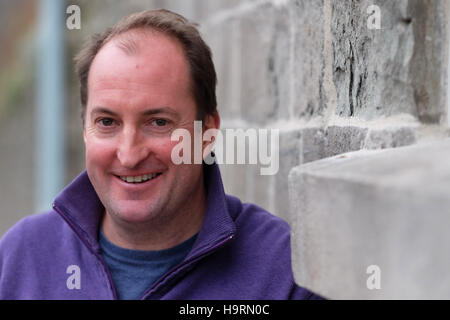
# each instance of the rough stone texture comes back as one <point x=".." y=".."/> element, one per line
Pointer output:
<point x="390" y="138"/>
<point x="388" y="208"/>
<point x="371" y="67"/>
<point x="392" y="70"/>
<point x="318" y="143"/>
<point x="304" y="145"/>
<point x="343" y="139"/>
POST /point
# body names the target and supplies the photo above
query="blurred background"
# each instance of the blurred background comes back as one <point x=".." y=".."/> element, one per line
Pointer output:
<point x="359" y="90"/>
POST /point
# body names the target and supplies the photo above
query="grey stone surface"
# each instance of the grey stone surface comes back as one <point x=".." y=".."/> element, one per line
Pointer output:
<point x="397" y="69"/>
<point x="264" y="63"/>
<point x="430" y="22"/>
<point x="308" y="60"/>
<point x="390" y="138"/>
<point x="290" y="156"/>
<point x="343" y="139"/>
<point x="227" y="61"/>
<point x="312" y="144"/>
<point x="388" y="208"/>
<point x="271" y="191"/>
<point x="268" y="191"/>
<point x="209" y="8"/>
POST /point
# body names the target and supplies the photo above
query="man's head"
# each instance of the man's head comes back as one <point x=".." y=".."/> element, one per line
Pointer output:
<point x="202" y="72"/>
<point x="141" y="84"/>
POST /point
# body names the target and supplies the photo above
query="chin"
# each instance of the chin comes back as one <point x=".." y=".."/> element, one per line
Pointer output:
<point x="134" y="212"/>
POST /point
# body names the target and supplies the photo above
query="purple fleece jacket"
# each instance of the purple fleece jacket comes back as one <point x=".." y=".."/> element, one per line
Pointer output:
<point x="241" y="252"/>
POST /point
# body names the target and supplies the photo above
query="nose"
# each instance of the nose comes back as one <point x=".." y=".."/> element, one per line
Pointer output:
<point x="132" y="149"/>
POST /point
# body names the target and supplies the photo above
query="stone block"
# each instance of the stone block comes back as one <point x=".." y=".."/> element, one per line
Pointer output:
<point x="268" y="191"/>
<point x="389" y="208"/>
<point x="398" y="68"/>
<point x="312" y="144"/>
<point x="390" y="138"/>
<point x="340" y="139"/>
<point x="290" y="156"/>
<point x="308" y="60"/>
<point x="271" y="191"/>
<point x="208" y="9"/>
<point x="227" y="61"/>
<point x="265" y="78"/>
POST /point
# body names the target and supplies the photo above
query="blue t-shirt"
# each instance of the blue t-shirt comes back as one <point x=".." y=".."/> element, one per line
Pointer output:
<point x="134" y="271"/>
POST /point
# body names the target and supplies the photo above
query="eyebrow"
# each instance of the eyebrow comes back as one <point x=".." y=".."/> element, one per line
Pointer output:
<point x="148" y="112"/>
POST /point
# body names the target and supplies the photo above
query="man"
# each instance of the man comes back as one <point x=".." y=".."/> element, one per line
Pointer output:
<point x="135" y="225"/>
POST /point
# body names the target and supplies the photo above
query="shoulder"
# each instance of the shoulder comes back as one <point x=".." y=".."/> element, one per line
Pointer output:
<point x="244" y="213"/>
<point x="31" y="231"/>
<point x="257" y="223"/>
<point x="260" y="254"/>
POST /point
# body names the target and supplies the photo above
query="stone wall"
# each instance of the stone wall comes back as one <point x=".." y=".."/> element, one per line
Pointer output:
<point x="332" y="85"/>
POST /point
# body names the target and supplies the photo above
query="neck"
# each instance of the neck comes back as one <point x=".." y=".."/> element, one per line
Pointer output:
<point x="166" y="231"/>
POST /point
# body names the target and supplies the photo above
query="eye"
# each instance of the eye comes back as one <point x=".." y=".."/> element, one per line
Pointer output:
<point x="158" y="125"/>
<point x="160" y="122"/>
<point x="106" y="122"/>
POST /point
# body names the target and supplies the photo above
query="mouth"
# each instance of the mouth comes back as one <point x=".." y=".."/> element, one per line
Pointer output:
<point x="139" y="179"/>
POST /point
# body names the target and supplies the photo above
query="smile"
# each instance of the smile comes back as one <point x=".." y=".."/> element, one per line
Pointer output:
<point x="139" y="179"/>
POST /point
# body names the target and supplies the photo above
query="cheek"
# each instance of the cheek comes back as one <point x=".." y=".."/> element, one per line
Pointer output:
<point x="162" y="148"/>
<point x="183" y="173"/>
<point x="99" y="153"/>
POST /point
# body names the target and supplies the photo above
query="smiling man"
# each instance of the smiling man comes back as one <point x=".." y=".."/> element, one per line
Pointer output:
<point x="135" y="225"/>
<point x="131" y="112"/>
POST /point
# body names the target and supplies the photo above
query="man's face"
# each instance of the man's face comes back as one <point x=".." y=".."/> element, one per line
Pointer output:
<point x="135" y="101"/>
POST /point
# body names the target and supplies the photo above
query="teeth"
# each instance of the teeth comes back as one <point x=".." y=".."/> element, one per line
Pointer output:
<point x="138" y="179"/>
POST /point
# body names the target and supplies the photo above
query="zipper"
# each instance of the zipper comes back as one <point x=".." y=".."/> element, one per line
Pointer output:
<point x="187" y="262"/>
<point x="88" y="245"/>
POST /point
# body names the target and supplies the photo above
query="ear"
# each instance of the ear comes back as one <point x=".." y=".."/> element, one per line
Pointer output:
<point x="211" y="123"/>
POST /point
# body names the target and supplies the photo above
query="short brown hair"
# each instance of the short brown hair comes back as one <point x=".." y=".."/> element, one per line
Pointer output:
<point x="198" y="54"/>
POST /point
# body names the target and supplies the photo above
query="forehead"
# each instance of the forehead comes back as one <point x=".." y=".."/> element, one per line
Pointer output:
<point x="139" y="60"/>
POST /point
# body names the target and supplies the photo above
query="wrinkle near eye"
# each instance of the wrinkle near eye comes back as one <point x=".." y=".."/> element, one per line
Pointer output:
<point x="186" y="124"/>
<point x="90" y="129"/>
